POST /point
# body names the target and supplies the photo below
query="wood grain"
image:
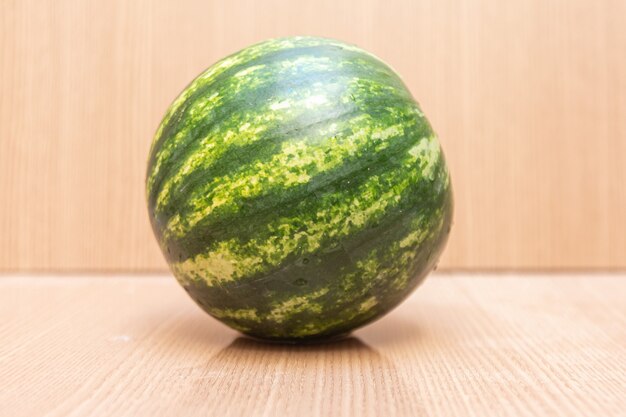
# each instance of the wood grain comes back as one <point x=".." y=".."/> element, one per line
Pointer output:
<point x="478" y="345"/>
<point x="528" y="97"/>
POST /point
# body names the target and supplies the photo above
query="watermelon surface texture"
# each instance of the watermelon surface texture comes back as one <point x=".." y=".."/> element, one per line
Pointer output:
<point x="297" y="191"/>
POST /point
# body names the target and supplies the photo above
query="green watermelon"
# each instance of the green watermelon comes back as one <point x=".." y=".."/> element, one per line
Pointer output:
<point x="297" y="191"/>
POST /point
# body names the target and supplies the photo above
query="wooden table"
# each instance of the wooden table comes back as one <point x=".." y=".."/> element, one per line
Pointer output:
<point x="463" y="345"/>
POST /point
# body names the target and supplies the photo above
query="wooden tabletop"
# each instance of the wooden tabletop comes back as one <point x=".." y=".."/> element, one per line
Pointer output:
<point x="462" y="345"/>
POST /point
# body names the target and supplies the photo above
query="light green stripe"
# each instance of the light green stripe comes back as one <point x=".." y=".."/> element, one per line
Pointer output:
<point x="283" y="310"/>
<point x="279" y="311"/>
<point x="248" y="314"/>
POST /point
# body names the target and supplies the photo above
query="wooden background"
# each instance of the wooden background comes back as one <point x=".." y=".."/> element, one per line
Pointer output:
<point x="528" y="97"/>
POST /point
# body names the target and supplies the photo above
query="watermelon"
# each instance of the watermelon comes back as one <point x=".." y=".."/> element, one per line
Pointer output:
<point x="297" y="191"/>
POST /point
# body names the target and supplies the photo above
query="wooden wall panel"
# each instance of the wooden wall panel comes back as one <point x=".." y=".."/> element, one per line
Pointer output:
<point x="528" y="97"/>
